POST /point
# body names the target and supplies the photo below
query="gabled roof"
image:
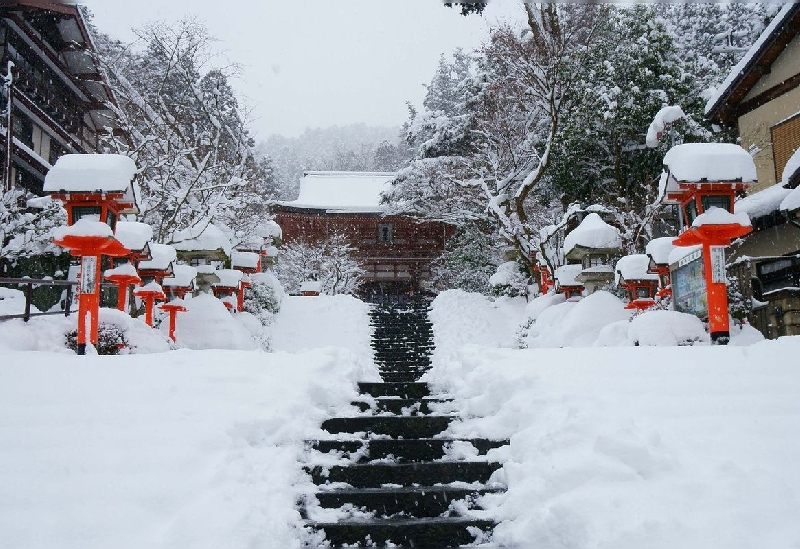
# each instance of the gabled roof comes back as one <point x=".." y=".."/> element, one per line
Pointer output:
<point x="724" y="106"/>
<point x="342" y="191"/>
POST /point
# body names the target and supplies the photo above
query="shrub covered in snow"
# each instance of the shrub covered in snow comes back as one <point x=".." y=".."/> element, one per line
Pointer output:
<point x="264" y="297"/>
<point x="509" y="280"/>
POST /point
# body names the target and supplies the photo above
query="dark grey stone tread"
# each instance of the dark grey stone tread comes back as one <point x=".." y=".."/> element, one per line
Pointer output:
<point x="416" y="532"/>
<point x="423" y="449"/>
<point x="376" y="475"/>
<point x="400" y="389"/>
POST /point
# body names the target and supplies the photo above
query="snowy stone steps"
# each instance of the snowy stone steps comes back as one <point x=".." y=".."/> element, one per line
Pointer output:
<point x="401" y="450"/>
<point x="383" y="474"/>
<point x="400" y="406"/>
<point x="422" y="501"/>
<point x="376" y="389"/>
<point x="424" y="426"/>
<point x="425" y="533"/>
<point x="407" y="484"/>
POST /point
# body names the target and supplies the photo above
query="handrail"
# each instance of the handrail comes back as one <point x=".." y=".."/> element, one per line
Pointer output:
<point x="29" y="284"/>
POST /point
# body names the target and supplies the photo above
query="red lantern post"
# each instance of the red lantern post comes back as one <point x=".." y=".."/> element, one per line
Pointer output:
<point x="703" y="178"/>
<point x="173" y="308"/>
<point x="150" y="293"/>
<point x="95" y="189"/>
<point x="123" y="276"/>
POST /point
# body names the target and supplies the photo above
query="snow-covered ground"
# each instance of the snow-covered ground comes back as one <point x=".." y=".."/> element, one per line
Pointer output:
<point x="629" y="447"/>
<point x="184" y="448"/>
<point x="612" y="445"/>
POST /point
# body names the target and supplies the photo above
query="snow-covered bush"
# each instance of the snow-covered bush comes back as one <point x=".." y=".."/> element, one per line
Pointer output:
<point x="110" y="339"/>
<point x="264" y="297"/>
<point x="509" y="280"/>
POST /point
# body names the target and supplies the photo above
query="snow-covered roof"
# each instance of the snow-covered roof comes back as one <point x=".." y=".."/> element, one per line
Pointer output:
<point x="125" y="269"/>
<point x="633" y="267"/>
<point x="721" y="216"/>
<point x="207" y="238"/>
<point x="709" y="162"/>
<point x="85" y="226"/>
<point x="593" y="232"/>
<point x="311" y="286"/>
<point x="183" y="276"/>
<point x="660" y="248"/>
<point x="162" y="255"/>
<point x="763" y="202"/>
<point x="229" y="278"/>
<point x="151" y="287"/>
<point x="91" y="172"/>
<point x="246" y="260"/>
<point x="566" y="275"/>
<point x="760" y="47"/>
<point x="133" y="234"/>
<point x="343" y="191"/>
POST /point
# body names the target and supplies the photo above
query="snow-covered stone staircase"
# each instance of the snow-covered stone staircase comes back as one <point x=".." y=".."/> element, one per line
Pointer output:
<point x="388" y="475"/>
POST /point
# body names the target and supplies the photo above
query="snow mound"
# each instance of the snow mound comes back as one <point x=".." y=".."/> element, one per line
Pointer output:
<point x="207" y="324"/>
<point x="575" y="324"/>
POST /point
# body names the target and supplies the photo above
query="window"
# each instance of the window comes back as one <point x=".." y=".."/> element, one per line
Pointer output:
<point x="643" y="292"/>
<point x="778" y="273"/>
<point x="385" y="232"/>
<point x="92" y="212"/>
<point x="720" y="201"/>
<point x="41" y="142"/>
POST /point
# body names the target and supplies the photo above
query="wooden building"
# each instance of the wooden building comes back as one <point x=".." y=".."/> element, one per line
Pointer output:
<point x="59" y="98"/>
<point x="396" y="251"/>
<point x="761" y="98"/>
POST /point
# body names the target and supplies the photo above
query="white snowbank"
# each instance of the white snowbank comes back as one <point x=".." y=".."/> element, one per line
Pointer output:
<point x="197" y="449"/>
<point x="639" y="447"/>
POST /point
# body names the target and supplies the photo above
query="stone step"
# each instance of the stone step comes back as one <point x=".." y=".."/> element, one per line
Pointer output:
<point x="425" y="426"/>
<point x="421" y="533"/>
<point x="402" y="450"/>
<point x="399" y="389"/>
<point x="401" y="376"/>
<point x="400" y="406"/>
<point x="422" y="501"/>
<point x="378" y="475"/>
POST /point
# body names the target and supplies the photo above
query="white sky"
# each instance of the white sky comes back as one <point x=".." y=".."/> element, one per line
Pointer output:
<point x="317" y="63"/>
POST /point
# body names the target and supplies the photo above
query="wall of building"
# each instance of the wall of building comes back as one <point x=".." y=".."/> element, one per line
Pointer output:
<point x="403" y="253"/>
<point x="755" y="132"/>
<point x="784" y="67"/>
